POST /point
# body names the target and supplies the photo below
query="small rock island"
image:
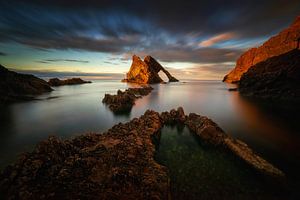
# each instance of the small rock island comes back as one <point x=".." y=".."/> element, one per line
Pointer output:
<point x="122" y="102"/>
<point x="71" y="81"/>
<point x="146" y="71"/>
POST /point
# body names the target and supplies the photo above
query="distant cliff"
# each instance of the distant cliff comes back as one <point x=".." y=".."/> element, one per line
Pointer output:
<point x="16" y="87"/>
<point x="284" y="42"/>
<point x="277" y="78"/>
<point x="146" y="72"/>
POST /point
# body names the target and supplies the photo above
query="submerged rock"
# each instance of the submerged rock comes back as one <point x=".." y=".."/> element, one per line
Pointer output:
<point x="17" y="87"/>
<point x="285" y="41"/>
<point x="276" y="79"/>
<point x="122" y="102"/>
<point x="71" y="81"/>
<point x="146" y="72"/>
<point x="118" y="164"/>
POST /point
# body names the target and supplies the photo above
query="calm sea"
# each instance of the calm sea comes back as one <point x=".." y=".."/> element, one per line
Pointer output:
<point x="72" y="110"/>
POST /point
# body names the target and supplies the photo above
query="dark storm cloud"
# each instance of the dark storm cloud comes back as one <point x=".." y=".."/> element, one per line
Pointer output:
<point x="168" y="30"/>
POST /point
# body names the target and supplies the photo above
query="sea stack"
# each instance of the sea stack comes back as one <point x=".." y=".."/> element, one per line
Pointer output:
<point x="146" y="71"/>
<point x="287" y="40"/>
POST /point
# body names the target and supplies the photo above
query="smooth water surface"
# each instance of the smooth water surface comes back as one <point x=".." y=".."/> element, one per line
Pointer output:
<point x="200" y="171"/>
<point x="72" y="110"/>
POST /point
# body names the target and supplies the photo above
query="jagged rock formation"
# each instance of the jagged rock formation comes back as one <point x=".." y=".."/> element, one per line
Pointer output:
<point x="146" y="72"/>
<point x="118" y="164"/>
<point x="276" y="79"/>
<point x="71" y="81"/>
<point x="17" y="87"/>
<point x="122" y="102"/>
<point x="285" y="41"/>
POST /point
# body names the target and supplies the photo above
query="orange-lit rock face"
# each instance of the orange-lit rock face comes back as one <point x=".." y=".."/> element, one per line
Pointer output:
<point x="285" y="41"/>
<point x="146" y="71"/>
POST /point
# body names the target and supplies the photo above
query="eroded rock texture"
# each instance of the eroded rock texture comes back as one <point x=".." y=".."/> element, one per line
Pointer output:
<point x="146" y="72"/>
<point x="17" y="87"/>
<point x="118" y="164"/>
<point x="285" y="41"/>
<point x="71" y="81"/>
<point x="276" y="79"/>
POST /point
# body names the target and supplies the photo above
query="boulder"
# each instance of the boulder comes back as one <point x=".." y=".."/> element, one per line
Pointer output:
<point x="17" y="87"/>
<point x="146" y="72"/>
<point x="285" y="41"/>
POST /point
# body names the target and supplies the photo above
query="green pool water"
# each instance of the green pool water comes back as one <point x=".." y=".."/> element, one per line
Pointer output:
<point x="199" y="171"/>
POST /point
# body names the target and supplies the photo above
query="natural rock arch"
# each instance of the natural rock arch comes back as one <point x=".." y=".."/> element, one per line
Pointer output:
<point x="146" y="71"/>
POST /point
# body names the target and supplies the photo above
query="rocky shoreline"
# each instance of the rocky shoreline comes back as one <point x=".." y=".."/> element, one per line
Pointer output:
<point x="16" y="87"/>
<point x="122" y="102"/>
<point x="71" y="81"/>
<point x="277" y="79"/>
<point x="118" y="164"/>
<point x="284" y="42"/>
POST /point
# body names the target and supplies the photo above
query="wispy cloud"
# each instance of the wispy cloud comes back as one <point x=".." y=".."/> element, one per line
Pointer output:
<point x="216" y="39"/>
<point x="62" y="60"/>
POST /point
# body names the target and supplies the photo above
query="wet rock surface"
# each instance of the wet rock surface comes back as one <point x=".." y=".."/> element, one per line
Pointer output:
<point x="122" y="102"/>
<point x="19" y="87"/>
<point x="146" y="71"/>
<point x="118" y="164"/>
<point x="71" y="81"/>
<point x="276" y="79"/>
<point x="287" y="40"/>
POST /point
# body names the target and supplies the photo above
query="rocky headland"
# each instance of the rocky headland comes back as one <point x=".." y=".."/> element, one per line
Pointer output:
<point x="122" y="102"/>
<point x="71" y="81"/>
<point x="19" y="87"/>
<point x="146" y="71"/>
<point x="275" y="79"/>
<point x="118" y="164"/>
<point x="287" y="40"/>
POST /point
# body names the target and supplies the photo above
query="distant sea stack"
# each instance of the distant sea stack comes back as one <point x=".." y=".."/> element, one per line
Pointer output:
<point x="146" y="72"/>
<point x="287" y="40"/>
<point x="71" y="81"/>
<point x="275" y="79"/>
<point x="17" y="87"/>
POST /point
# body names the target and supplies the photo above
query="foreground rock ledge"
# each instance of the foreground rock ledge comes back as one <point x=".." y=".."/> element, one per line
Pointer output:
<point x="118" y="164"/>
<point x="123" y="101"/>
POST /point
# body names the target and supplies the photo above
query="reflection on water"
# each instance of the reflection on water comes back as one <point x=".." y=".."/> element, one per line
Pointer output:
<point x="198" y="171"/>
<point x="72" y="110"/>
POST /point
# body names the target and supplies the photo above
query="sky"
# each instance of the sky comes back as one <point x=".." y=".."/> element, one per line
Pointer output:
<point x="193" y="39"/>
